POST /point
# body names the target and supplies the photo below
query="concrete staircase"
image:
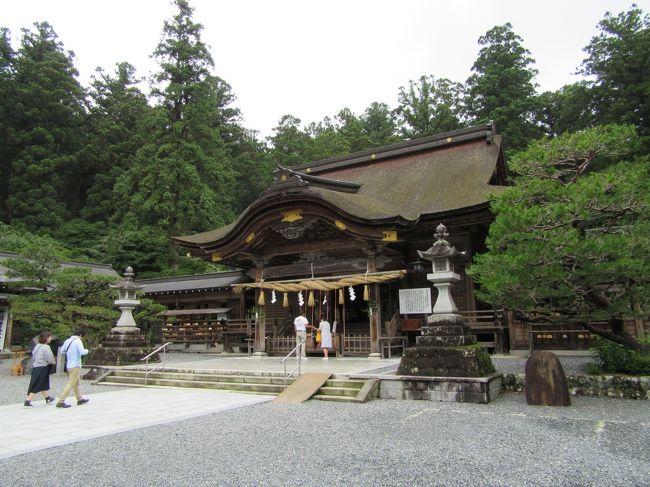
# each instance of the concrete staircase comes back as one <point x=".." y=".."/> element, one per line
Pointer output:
<point x="343" y="390"/>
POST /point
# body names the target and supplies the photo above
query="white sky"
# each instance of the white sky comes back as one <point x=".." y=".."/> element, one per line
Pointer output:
<point x="311" y="58"/>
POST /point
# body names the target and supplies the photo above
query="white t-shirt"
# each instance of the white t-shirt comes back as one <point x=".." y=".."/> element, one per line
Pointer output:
<point x="300" y="323"/>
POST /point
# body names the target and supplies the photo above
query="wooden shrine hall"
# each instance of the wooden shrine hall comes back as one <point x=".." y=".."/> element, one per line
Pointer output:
<point x="339" y="238"/>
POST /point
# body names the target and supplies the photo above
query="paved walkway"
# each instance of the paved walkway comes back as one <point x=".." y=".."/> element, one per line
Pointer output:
<point x="43" y="426"/>
<point x="206" y="362"/>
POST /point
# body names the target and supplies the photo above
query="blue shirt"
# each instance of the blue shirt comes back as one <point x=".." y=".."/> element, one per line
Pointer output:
<point x="73" y="349"/>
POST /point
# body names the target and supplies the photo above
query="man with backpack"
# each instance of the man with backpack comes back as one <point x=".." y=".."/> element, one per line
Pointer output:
<point x="73" y="348"/>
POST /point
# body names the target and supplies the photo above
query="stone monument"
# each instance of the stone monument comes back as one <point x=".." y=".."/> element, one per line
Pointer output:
<point x="446" y="351"/>
<point x="546" y="383"/>
<point x="125" y="344"/>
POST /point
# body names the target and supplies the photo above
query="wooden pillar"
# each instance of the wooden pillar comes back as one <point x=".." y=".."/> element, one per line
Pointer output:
<point x="259" y="345"/>
<point x="375" y="317"/>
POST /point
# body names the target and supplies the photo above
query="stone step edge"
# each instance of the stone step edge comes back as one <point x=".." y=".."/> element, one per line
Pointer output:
<point x="156" y="386"/>
<point x="236" y="379"/>
<point x="132" y="381"/>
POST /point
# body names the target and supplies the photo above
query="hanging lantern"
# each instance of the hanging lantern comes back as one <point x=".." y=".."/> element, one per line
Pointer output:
<point x="261" y="301"/>
<point x="273" y="298"/>
<point x="310" y="301"/>
<point x="341" y="296"/>
<point x="366" y="293"/>
<point x="285" y="300"/>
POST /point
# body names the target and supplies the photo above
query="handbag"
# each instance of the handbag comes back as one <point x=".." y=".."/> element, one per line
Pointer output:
<point x="318" y="337"/>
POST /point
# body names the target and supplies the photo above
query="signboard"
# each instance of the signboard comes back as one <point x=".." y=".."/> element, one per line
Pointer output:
<point x="415" y="301"/>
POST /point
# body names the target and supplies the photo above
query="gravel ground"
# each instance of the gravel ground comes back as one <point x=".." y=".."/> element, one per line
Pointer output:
<point x="596" y="442"/>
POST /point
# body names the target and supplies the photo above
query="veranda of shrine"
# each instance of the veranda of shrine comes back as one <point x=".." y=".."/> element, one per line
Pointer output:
<point x="338" y="238"/>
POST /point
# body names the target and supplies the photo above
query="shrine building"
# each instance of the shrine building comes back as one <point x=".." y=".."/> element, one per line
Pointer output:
<point x="339" y="238"/>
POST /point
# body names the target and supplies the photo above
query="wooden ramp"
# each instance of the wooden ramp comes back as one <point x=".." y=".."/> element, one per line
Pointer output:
<point x="303" y="388"/>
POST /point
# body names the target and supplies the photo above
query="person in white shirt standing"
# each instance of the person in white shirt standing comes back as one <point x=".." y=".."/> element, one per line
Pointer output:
<point x="300" y="324"/>
<point x="73" y="348"/>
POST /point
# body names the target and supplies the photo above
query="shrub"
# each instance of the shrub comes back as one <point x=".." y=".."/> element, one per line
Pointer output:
<point x="614" y="358"/>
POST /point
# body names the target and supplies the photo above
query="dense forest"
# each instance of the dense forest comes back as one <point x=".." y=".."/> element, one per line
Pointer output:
<point x="109" y="172"/>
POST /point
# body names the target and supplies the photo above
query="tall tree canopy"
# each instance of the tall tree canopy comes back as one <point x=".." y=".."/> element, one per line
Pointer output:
<point x="117" y="108"/>
<point x="619" y="59"/>
<point x="571" y="238"/>
<point x="502" y="88"/>
<point x="183" y="178"/>
<point x="47" y="130"/>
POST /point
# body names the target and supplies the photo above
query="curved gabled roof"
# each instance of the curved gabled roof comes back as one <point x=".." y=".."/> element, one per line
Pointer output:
<point x="396" y="185"/>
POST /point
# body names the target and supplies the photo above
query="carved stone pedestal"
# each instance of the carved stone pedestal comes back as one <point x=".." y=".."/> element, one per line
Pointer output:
<point x="121" y="348"/>
<point x="446" y="349"/>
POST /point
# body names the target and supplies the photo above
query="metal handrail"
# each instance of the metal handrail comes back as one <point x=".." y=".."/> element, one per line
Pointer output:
<point x="284" y="361"/>
<point x="161" y="364"/>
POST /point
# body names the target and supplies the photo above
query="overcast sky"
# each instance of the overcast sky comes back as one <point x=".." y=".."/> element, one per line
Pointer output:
<point x="311" y="58"/>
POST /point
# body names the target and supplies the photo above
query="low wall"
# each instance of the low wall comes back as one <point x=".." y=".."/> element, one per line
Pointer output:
<point x="480" y="390"/>
<point x="616" y="386"/>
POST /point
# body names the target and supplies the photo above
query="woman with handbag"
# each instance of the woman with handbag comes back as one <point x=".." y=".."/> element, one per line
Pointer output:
<point x="325" y="331"/>
<point x="43" y="361"/>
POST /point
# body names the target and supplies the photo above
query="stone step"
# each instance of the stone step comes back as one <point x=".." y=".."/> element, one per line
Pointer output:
<point x="325" y="397"/>
<point x="339" y="391"/>
<point x="231" y="386"/>
<point x="348" y="383"/>
<point x="256" y="379"/>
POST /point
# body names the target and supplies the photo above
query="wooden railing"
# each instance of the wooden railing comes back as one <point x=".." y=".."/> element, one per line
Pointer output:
<point x="356" y="344"/>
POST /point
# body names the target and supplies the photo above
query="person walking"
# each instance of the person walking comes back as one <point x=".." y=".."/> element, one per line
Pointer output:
<point x="301" y="323"/>
<point x="325" y="336"/>
<point x="73" y="348"/>
<point x="42" y="361"/>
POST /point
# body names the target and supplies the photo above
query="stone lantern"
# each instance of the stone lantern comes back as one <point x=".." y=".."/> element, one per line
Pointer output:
<point x="125" y="344"/>
<point x="126" y="301"/>
<point x="443" y="277"/>
<point x="459" y="369"/>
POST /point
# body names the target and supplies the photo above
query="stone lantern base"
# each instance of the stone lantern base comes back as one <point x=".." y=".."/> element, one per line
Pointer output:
<point x="121" y="347"/>
<point x="446" y="349"/>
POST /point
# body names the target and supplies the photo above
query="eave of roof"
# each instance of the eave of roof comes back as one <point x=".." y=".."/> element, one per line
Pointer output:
<point x="192" y="283"/>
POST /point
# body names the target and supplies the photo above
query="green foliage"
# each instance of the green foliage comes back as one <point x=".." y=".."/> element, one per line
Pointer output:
<point x="615" y="359"/>
<point x="568" y="109"/>
<point x="39" y="258"/>
<point x="572" y="236"/>
<point x="77" y="298"/>
<point x="183" y="177"/>
<point x="429" y="106"/>
<point x="502" y="87"/>
<point x="116" y="114"/>
<point x="46" y="132"/>
<point x="145" y="249"/>
<point x="618" y="58"/>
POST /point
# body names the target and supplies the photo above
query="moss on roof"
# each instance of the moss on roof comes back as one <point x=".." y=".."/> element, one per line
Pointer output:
<point x="408" y="186"/>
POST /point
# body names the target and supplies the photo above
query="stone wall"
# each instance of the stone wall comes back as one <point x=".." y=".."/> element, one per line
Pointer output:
<point x="617" y="386"/>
